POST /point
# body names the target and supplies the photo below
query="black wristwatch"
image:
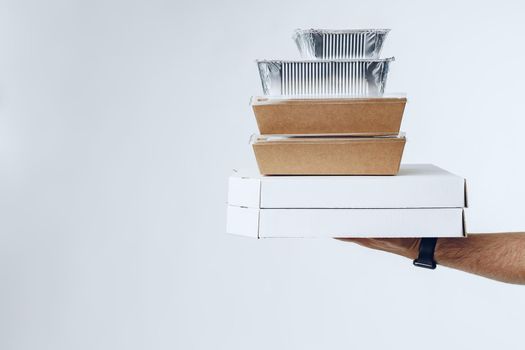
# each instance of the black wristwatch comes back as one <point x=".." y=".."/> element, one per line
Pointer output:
<point x="426" y="253"/>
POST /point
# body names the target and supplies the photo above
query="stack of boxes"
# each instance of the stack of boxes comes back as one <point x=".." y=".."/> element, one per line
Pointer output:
<point x="327" y="115"/>
<point x="326" y="132"/>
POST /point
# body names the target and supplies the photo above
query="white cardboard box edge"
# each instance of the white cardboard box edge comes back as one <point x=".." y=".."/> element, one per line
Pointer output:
<point x="243" y="221"/>
<point x="244" y="192"/>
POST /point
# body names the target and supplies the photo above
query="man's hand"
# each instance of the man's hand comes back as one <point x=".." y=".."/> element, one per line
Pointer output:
<point x="498" y="256"/>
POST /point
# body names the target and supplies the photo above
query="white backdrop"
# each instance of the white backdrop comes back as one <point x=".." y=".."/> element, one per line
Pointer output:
<point x="120" y="122"/>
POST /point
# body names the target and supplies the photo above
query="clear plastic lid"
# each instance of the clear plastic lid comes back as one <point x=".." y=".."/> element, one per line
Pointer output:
<point x="256" y="138"/>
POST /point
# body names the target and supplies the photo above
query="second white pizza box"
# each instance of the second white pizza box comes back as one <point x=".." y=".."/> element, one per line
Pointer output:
<point x="380" y="223"/>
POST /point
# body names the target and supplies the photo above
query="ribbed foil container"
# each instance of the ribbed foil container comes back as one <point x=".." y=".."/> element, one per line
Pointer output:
<point x="363" y="77"/>
<point x="340" y="44"/>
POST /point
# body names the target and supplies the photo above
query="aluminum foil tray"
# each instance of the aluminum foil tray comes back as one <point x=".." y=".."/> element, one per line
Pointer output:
<point x="363" y="77"/>
<point x="340" y="44"/>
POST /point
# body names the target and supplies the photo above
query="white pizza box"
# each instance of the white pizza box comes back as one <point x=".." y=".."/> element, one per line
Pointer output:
<point x="422" y="201"/>
<point x="416" y="186"/>
<point x="305" y="223"/>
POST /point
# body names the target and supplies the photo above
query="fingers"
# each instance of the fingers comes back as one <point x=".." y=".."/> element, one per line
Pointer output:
<point x="366" y="242"/>
<point x="407" y="247"/>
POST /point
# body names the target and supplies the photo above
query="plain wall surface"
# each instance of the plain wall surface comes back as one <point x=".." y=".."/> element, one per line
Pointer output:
<point x="120" y="122"/>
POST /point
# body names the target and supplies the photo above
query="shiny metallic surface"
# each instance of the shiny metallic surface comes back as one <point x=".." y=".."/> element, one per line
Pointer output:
<point x="356" y="77"/>
<point x="340" y="44"/>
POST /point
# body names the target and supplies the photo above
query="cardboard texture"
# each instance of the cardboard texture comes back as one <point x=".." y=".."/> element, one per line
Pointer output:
<point x="422" y="201"/>
<point x="329" y="155"/>
<point x="366" y="116"/>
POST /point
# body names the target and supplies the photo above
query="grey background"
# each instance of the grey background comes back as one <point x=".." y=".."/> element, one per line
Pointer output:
<point x="120" y="122"/>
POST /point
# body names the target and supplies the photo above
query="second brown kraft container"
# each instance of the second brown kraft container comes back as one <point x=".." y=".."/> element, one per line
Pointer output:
<point x="360" y="116"/>
<point x="278" y="155"/>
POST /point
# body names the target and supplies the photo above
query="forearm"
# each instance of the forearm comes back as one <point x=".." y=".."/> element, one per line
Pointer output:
<point x="498" y="256"/>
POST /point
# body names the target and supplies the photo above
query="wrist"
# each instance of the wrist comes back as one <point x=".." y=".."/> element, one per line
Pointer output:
<point x="440" y="250"/>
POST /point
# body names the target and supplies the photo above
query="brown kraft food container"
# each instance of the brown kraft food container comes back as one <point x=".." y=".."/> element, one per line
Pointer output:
<point x="360" y="116"/>
<point x="328" y="155"/>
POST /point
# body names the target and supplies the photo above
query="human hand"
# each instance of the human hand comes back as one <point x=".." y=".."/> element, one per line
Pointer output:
<point x="500" y="256"/>
<point x="407" y="247"/>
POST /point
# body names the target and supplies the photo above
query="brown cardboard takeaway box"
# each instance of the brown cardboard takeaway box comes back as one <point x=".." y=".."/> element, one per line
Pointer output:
<point x="367" y="116"/>
<point x="335" y="155"/>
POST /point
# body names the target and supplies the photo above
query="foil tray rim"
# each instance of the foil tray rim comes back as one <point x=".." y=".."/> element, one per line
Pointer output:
<point x="349" y="60"/>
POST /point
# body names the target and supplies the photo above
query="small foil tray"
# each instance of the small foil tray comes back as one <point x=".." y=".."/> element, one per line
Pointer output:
<point x="356" y="77"/>
<point x="340" y="44"/>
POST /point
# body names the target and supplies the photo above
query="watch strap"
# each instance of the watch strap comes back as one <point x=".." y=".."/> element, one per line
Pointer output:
<point x="426" y="253"/>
